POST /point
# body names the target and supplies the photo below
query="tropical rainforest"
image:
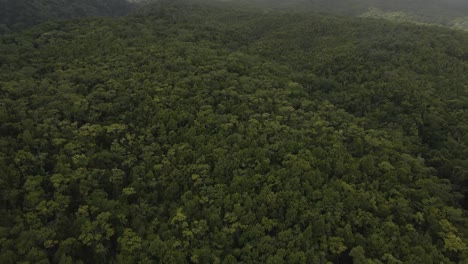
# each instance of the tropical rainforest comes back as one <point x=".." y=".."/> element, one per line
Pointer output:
<point x="219" y="133"/>
<point x="19" y="14"/>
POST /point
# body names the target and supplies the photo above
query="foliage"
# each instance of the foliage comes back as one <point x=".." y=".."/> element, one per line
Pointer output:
<point x="402" y="17"/>
<point x="19" y="14"/>
<point x="201" y="134"/>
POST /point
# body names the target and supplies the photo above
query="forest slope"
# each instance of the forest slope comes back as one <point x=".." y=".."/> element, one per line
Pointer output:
<point x="19" y="14"/>
<point x="199" y="134"/>
<point x="450" y="13"/>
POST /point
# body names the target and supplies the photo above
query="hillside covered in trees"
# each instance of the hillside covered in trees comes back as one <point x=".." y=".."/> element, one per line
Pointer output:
<point x="204" y="134"/>
<point x="448" y="13"/>
<point x="19" y="14"/>
<point x="430" y="9"/>
<point x="16" y="15"/>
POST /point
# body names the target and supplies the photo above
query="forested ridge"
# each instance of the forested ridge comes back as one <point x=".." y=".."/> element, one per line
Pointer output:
<point x="16" y="15"/>
<point x="430" y="9"/>
<point x="447" y="13"/>
<point x="190" y="133"/>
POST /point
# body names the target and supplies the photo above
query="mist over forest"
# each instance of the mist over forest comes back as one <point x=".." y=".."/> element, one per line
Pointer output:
<point x="205" y="131"/>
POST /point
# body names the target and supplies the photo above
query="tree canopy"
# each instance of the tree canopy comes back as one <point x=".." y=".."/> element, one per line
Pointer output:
<point x="200" y="134"/>
<point x="19" y="14"/>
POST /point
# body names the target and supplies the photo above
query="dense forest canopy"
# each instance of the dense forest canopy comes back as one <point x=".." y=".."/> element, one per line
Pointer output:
<point x="424" y="7"/>
<point x="452" y="13"/>
<point x="196" y="133"/>
<point x="19" y="14"/>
